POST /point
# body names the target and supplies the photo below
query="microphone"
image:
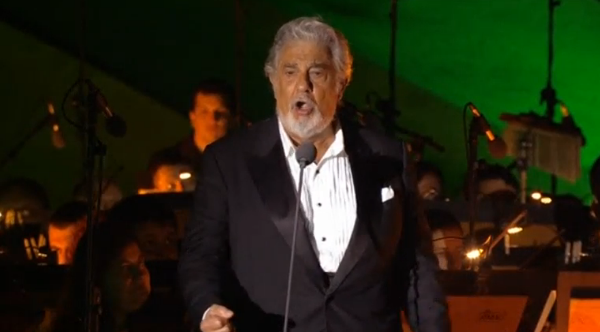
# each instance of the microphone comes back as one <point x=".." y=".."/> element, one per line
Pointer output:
<point x="496" y="144"/>
<point x="115" y="125"/>
<point x="58" y="141"/>
<point x="305" y="155"/>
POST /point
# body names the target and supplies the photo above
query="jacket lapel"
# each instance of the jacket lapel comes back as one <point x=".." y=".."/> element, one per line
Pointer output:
<point x="377" y="225"/>
<point x="368" y="211"/>
<point x="274" y="183"/>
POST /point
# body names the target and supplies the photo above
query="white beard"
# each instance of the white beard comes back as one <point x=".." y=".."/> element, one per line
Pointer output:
<point x="304" y="128"/>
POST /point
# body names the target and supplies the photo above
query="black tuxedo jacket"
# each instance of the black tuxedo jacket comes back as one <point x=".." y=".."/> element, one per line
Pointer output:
<point x="237" y="245"/>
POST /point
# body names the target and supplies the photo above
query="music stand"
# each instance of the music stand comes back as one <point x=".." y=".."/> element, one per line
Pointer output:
<point x="533" y="287"/>
<point x="578" y="297"/>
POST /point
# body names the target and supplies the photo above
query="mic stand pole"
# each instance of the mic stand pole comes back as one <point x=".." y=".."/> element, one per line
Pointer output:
<point x="522" y="164"/>
<point x="87" y="104"/>
<point x="94" y="149"/>
<point x="389" y="109"/>
<point x="473" y="140"/>
<point x="548" y="94"/>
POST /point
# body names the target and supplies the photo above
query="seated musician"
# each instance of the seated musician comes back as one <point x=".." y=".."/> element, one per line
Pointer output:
<point x="169" y="173"/>
<point x="448" y="239"/>
<point x="151" y="222"/>
<point x="23" y="194"/>
<point x="495" y="179"/>
<point x="211" y="115"/>
<point x="65" y="228"/>
<point x="24" y="207"/>
<point x="121" y="278"/>
<point x="429" y="181"/>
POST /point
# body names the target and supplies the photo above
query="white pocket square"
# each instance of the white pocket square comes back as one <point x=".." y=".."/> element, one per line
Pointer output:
<point x="386" y="194"/>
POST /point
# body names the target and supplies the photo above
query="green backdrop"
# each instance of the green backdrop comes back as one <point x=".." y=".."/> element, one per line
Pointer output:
<point x="147" y="56"/>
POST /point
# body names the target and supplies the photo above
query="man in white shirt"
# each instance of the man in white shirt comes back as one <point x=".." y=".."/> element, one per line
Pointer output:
<point x="358" y="247"/>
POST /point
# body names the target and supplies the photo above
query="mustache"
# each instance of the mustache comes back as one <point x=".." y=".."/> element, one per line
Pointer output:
<point x="303" y="99"/>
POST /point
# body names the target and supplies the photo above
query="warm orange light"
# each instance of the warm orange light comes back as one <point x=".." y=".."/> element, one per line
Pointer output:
<point x="515" y="230"/>
<point x="474" y="254"/>
<point x="536" y="195"/>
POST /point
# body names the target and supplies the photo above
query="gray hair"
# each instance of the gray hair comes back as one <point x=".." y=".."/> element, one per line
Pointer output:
<point x="313" y="29"/>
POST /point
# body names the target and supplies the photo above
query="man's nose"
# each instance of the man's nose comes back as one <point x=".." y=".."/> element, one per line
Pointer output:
<point x="304" y="84"/>
<point x="62" y="258"/>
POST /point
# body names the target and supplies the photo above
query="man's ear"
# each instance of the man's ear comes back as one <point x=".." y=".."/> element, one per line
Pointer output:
<point x="272" y="79"/>
<point x="192" y="117"/>
<point x="342" y="88"/>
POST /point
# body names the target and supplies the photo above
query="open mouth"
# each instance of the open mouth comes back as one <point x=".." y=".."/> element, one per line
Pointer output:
<point x="303" y="107"/>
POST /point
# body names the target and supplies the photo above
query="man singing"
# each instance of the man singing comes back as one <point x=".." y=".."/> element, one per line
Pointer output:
<point x="359" y="260"/>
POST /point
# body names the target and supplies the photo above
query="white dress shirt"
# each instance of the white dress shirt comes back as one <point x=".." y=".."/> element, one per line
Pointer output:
<point x="328" y="199"/>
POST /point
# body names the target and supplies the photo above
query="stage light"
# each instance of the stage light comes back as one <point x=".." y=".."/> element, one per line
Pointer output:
<point x="474" y="254"/>
<point x="185" y="175"/>
<point x="514" y="230"/>
<point x="538" y="196"/>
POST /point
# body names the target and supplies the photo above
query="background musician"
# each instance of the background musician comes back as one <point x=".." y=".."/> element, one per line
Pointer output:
<point x="65" y="228"/>
<point x="211" y="115"/>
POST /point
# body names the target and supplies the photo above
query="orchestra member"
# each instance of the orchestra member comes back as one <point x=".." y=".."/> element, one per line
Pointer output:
<point x="448" y="239"/>
<point x="211" y="115"/>
<point x="24" y="195"/>
<point x="121" y="277"/>
<point x="429" y="181"/>
<point x="66" y="226"/>
<point x="153" y="224"/>
<point x="360" y="259"/>
<point x="171" y="173"/>
<point x="495" y="179"/>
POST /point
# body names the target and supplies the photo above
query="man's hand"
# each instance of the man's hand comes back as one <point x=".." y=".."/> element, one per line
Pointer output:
<point x="217" y="319"/>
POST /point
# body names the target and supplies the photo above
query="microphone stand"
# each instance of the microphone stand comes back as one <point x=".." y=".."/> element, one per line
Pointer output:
<point x="472" y="165"/>
<point x="94" y="150"/>
<point x="239" y="57"/>
<point x="389" y="106"/>
<point x="522" y="165"/>
<point x="86" y="102"/>
<point x="288" y="297"/>
<point x="303" y="161"/>
<point x="548" y="94"/>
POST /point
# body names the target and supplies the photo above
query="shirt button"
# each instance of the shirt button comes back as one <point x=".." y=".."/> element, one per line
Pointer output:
<point x="319" y="204"/>
<point x="323" y="239"/>
<point x="317" y="172"/>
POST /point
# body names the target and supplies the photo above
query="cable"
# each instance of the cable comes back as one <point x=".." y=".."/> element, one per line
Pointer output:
<point x="63" y="108"/>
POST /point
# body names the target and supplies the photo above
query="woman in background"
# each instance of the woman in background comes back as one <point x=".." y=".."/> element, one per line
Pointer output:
<point x="121" y="278"/>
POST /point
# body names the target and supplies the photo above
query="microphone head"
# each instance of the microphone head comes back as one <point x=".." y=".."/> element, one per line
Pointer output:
<point x="116" y="126"/>
<point x="306" y="154"/>
<point x="497" y="148"/>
